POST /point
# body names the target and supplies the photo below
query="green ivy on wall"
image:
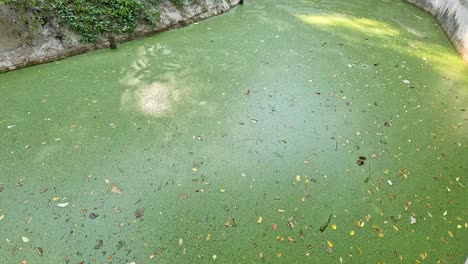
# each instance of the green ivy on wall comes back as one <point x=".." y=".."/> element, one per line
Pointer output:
<point x="91" y="18"/>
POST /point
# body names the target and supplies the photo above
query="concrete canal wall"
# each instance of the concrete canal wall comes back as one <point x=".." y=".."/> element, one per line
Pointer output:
<point x="453" y="17"/>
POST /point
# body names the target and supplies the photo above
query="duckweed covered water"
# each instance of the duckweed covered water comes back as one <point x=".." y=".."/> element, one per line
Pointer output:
<point x="280" y="132"/>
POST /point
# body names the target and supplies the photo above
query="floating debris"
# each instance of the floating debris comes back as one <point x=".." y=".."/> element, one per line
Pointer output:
<point x="115" y="189"/>
<point x="62" y="204"/>
<point x="325" y="225"/>
<point x="260" y="220"/>
<point x="360" y="162"/>
<point x="39" y="251"/>
<point x="139" y="213"/>
<point x="99" y="244"/>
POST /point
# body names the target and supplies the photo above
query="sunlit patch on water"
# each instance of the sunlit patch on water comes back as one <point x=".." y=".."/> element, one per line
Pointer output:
<point x="362" y="25"/>
<point x="156" y="99"/>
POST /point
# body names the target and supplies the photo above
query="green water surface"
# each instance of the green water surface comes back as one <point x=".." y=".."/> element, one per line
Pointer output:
<point x="237" y="139"/>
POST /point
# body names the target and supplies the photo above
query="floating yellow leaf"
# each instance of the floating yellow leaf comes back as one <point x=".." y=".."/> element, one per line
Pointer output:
<point x="115" y="189"/>
<point x="298" y="178"/>
<point x="329" y="243"/>
<point x="351" y="233"/>
<point x="194" y="169"/>
<point x="1" y="217"/>
<point x="55" y="198"/>
<point x="333" y="226"/>
<point x="459" y="226"/>
<point x="445" y="213"/>
<point x="368" y="217"/>
<point x="381" y="234"/>
<point x="260" y="220"/>
<point x="450" y="233"/>
<point x="423" y="256"/>
<point x="396" y="228"/>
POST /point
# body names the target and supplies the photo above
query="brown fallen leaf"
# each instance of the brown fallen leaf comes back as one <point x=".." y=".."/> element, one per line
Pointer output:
<point x="443" y="239"/>
<point x="99" y="244"/>
<point x="39" y="251"/>
<point x="139" y="213"/>
<point x="115" y="189"/>
<point x="274" y="226"/>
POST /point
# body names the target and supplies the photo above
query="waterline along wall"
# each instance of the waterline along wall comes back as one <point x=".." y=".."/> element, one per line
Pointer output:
<point x="453" y="17"/>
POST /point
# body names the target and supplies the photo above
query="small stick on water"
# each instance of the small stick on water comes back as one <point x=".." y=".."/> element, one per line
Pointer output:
<point x="368" y="177"/>
<point x="324" y="226"/>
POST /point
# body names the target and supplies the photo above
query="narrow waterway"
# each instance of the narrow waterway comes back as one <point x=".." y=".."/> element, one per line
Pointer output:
<point x="283" y="131"/>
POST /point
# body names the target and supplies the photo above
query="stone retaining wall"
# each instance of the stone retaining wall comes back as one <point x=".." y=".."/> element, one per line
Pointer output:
<point x="20" y="47"/>
<point x="453" y="17"/>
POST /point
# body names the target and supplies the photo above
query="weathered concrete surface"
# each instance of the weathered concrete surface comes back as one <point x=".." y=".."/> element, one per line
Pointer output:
<point x="20" y="47"/>
<point x="453" y="17"/>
